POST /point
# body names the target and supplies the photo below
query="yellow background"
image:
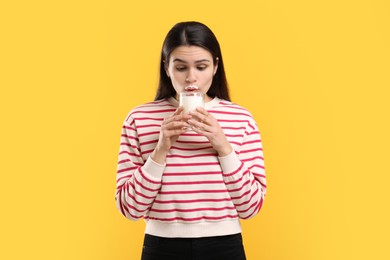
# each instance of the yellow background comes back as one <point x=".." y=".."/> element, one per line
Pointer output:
<point x="315" y="74"/>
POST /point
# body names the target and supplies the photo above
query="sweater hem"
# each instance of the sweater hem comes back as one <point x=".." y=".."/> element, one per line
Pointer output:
<point x="193" y="230"/>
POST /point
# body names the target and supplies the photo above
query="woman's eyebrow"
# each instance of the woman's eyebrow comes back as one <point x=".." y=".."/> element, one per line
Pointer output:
<point x="203" y="60"/>
<point x="179" y="60"/>
<point x="198" y="61"/>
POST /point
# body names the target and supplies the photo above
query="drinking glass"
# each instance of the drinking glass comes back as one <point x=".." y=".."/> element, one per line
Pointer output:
<point x="191" y="100"/>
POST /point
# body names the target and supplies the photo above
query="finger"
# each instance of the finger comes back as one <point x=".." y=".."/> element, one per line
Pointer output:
<point x="179" y="110"/>
<point x="175" y="115"/>
<point x="199" y="125"/>
<point x="174" y="132"/>
<point x="201" y="113"/>
<point x="202" y="131"/>
<point x="198" y="116"/>
<point x="173" y="118"/>
<point x="207" y="120"/>
<point x="176" y="125"/>
<point x="204" y="114"/>
<point x="202" y="110"/>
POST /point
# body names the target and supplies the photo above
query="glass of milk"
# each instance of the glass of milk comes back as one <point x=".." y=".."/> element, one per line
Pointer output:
<point x="190" y="100"/>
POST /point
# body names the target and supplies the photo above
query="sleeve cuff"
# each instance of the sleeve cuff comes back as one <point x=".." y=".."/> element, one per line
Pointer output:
<point x="153" y="169"/>
<point x="230" y="162"/>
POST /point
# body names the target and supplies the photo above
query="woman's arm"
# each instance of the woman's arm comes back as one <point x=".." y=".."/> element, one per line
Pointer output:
<point x="243" y="171"/>
<point x="244" y="175"/>
<point x="139" y="181"/>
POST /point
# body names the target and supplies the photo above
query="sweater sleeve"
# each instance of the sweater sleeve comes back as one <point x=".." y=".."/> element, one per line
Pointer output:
<point x="244" y="174"/>
<point x="138" y="181"/>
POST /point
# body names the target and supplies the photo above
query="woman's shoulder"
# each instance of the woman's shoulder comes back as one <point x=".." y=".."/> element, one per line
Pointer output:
<point x="231" y="107"/>
<point x="232" y="113"/>
<point x="153" y="105"/>
<point x="151" y="108"/>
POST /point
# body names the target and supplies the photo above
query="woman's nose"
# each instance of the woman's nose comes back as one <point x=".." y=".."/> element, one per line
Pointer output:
<point x="191" y="78"/>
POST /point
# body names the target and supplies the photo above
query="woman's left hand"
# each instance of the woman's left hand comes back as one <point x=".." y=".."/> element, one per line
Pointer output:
<point x="203" y="123"/>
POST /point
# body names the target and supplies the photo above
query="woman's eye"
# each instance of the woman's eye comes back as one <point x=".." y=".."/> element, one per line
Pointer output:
<point x="180" y="68"/>
<point x="202" y="67"/>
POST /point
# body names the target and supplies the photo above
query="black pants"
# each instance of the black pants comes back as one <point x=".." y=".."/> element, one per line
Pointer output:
<point x="207" y="248"/>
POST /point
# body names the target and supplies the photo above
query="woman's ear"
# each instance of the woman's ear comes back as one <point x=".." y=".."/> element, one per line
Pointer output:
<point x="166" y="68"/>
<point x="216" y="65"/>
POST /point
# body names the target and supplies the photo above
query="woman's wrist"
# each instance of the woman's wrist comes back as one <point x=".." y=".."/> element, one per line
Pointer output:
<point x="224" y="151"/>
<point x="159" y="155"/>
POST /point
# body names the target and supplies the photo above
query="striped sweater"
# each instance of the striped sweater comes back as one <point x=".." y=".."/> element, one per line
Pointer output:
<point x="195" y="193"/>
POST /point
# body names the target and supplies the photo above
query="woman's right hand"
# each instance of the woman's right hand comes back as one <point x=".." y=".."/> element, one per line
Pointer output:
<point x="171" y="128"/>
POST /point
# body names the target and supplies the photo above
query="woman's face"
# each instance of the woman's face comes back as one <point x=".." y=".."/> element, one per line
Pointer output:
<point x="191" y="66"/>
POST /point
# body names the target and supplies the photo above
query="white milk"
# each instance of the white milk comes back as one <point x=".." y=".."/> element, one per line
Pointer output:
<point x="191" y="100"/>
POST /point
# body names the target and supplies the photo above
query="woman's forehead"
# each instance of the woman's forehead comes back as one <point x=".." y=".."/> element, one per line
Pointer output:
<point x="190" y="53"/>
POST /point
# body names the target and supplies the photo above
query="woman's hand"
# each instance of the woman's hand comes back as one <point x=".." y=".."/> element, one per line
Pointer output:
<point x="171" y="128"/>
<point x="203" y="123"/>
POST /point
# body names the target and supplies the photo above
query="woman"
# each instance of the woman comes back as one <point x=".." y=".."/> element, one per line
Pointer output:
<point x="191" y="176"/>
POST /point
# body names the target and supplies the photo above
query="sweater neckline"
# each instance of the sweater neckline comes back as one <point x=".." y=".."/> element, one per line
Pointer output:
<point x="208" y="105"/>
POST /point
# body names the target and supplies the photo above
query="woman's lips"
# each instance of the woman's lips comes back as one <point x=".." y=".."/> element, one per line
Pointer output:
<point x="191" y="88"/>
